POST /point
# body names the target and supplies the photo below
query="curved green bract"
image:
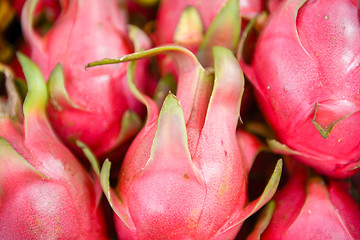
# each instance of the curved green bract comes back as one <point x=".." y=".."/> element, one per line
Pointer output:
<point x="189" y="30"/>
<point x="131" y="124"/>
<point x="37" y="96"/>
<point x="329" y="113"/>
<point x="113" y="199"/>
<point x="280" y="148"/>
<point x="171" y="140"/>
<point x="224" y="31"/>
<point x="10" y="160"/>
<point x="90" y="156"/>
<point x="139" y="38"/>
<point x="263" y="221"/>
<point x="265" y="197"/>
<point x="58" y="95"/>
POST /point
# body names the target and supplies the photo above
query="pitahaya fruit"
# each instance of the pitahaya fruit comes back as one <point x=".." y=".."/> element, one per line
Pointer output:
<point x="309" y="207"/>
<point x="45" y="192"/>
<point x="198" y="17"/>
<point x="305" y="74"/>
<point x="93" y="106"/>
<point x="201" y="25"/>
<point x="184" y="176"/>
<point x="198" y="26"/>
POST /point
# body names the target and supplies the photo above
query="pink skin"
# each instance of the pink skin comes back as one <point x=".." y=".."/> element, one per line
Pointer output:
<point x="184" y="175"/>
<point x="86" y="31"/>
<point x="273" y="5"/>
<point x="175" y="195"/>
<point x="45" y="192"/>
<point x="61" y="206"/>
<point x="317" y="63"/>
<point x="308" y="208"/>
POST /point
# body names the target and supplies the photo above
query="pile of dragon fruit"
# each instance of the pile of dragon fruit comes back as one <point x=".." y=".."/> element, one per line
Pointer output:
<point x="180" y="119"/>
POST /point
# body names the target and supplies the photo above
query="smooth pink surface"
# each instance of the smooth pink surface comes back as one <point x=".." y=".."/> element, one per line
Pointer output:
<point x="62" y="203"/>
<point x="308" y="53"/>
<point x="87" y="31"/>
<point x="308" y="208"/>
<point x="184" y="176"/>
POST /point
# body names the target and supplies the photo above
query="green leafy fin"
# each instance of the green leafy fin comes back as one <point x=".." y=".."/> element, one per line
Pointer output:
<point x="223" y="31"/>
<point x="58" y="95"/>
<point x="96" y="168"/>
<point x="255" y="205"/>
<point x="151" y="107"/>
<point x="255" y="25"/>
<point x="241" y="52"/>
<point x="328" y="114"/>
<point x="131" y="124"/>
<point x="263" y="221"/>
<point x="12" y="162"/>
<point x="34" y="107"/>
<point x="170" y="150"/>
<point x="228" y="88"/>
<point x="37" y="96"/>
<point x="281" y="148"/>
<point x="113" y="199"/>
<point x="189" y="30"/>
<point x="90" y="156"/>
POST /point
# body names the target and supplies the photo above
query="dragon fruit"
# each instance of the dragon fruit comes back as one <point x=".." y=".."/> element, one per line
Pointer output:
<point x="201" y="25"/>
<point x="45" y="192"/>
<point x="93" y="106"/>
<point x="306" y="78"/>
<point x="198" y="28"/>
<point x="308" y="207"/>
<point x="184" y="176"/>
<point x="199" y="17"/>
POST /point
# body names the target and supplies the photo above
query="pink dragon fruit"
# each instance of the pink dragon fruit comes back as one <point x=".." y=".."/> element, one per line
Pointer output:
<point x="203" y="13"/>
<point x="201" y="25"/>
<point x="309" y="208"/>
<point x="184" y="176"/>
<point x="45" y="192"/>
<point x="94" y="106"/>
<point x="305" y="72"/>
